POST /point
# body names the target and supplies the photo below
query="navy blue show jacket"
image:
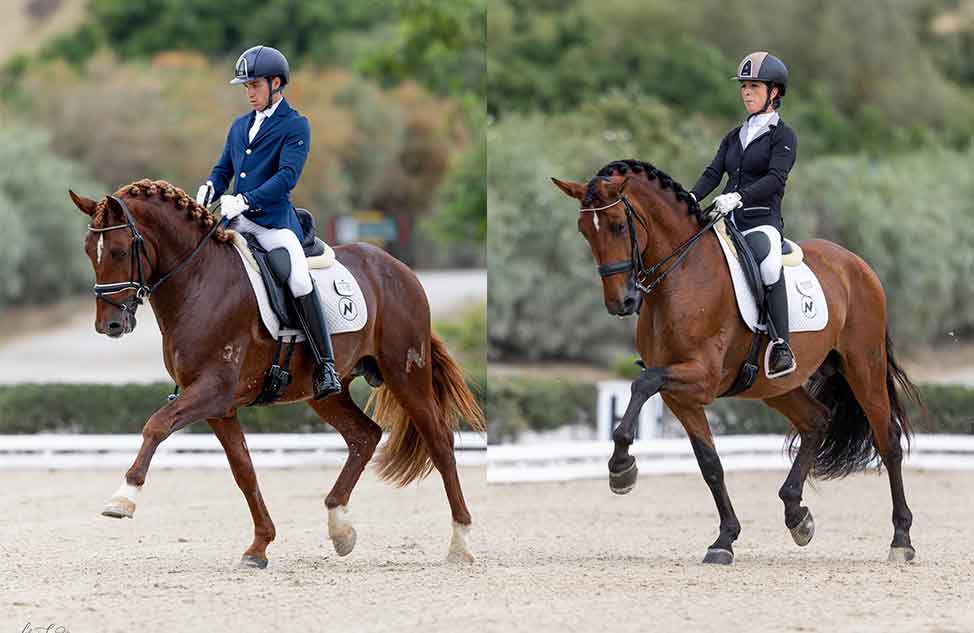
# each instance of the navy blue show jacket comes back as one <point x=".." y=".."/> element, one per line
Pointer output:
<point x="758" y="173"/>
<point x="267" y="169"/>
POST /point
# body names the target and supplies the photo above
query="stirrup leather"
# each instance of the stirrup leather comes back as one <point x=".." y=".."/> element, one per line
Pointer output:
<point x="767" y="360"/>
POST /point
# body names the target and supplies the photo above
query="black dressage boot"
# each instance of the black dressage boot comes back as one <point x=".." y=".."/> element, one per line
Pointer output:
<point x="325" y="379"/>
<point x="779" y="360"/>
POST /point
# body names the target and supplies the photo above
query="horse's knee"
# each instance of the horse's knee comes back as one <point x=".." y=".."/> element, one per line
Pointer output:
<point x="155" y="431"/>
<point x="648" y="382"/>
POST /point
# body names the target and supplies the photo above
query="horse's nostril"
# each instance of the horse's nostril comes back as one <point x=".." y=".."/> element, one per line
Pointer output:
<point x="629" y="304"/>
<point x="114" y="326"/>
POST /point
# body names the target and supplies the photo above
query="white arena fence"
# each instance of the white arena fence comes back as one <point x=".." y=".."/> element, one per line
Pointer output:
<point x="194" y="450"/>
<point x="568" y="461"/>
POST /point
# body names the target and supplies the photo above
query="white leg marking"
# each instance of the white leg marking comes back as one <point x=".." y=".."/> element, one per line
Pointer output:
<point x="340" y="531"/>
<point x="122" y="503"/>
<point x="459" y="551"/>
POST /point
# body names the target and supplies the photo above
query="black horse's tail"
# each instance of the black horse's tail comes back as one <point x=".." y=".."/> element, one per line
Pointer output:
<point x="848" y="446"/>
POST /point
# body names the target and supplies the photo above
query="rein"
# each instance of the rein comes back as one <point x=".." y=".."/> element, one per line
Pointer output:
<point x="137" y="248"/>
<point x="640" y="274"/>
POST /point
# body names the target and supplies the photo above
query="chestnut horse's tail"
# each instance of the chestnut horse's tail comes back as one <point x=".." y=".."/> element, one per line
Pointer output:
<point x="406" y="455"/>
<point x="848" y="446"/>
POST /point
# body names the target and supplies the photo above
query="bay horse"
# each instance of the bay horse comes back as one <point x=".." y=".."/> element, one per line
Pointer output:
<point x="151" y="240"/>
<point x="843" y="400"/>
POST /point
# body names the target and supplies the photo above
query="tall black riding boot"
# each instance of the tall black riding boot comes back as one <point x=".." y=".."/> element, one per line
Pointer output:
<point x="779" y="360"/>
<point x="325" y="378"/>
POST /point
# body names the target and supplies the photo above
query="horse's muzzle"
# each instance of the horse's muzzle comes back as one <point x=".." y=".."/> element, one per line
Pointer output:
<point x="118" y="327"/>
<point x="627" y="307"/>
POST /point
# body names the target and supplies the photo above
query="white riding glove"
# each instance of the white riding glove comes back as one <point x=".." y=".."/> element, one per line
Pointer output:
<point x="205" y="195"/>
<point x="232" y="206"/>
<point x="727" y="202"/>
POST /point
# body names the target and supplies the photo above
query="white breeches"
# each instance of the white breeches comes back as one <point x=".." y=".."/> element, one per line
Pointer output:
<point x="300" y="278"/>
<point x="771" y="264"/>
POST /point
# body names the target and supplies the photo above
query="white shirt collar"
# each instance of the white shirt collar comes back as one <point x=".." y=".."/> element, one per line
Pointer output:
<point x="762" y="120"/>
<point x="756" y="125"/>
<point x="269" y="112"/>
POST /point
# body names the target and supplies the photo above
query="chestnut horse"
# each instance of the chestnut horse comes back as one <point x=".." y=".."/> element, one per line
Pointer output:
<point x="692" y="343"/>
<point x="217" y="352"/>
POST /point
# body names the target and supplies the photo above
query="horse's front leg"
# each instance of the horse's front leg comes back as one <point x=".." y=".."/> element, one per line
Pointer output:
<point x="197" y="402"/>
<point x="231" y="437"/>
<point x="652" y="380"/>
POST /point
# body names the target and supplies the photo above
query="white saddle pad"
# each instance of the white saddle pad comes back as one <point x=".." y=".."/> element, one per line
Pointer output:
<point x="807" y="310"/>
<point x="343" y="303"/>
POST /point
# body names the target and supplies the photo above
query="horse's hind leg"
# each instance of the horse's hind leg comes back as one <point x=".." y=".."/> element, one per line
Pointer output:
<point x="414" y="392"/>
<point x="694" y="420"/>
<point x="865" y="369"/>
<point x="228" y="431"/>
<point x="362" y="436"/>
<point x="810" y="418"/>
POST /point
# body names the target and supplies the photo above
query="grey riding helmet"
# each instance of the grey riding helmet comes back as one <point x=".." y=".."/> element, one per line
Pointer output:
<point x="765" y="67"/>
<point x="261" y="61"/>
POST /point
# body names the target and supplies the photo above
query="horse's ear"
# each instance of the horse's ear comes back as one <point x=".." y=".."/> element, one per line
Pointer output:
<point x="86" y="205"/>
<point x="572" y="189"/>
<point x="115" y="206"/>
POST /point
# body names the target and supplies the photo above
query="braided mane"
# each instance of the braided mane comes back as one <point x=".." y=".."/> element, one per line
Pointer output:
<point x="168" y="192"/>
<point x="622" y="167"/>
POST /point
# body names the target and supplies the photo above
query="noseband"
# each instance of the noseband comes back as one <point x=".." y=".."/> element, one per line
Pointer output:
<point x="642" y="277"/>
<point x="137" y="249"/>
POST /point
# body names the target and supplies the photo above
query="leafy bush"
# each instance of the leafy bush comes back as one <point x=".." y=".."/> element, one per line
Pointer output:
<point x="517" y="404"/>
<point x="42" y="256"/>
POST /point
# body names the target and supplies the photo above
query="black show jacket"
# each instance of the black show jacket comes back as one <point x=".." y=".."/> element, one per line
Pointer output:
<point x="758" y="173"/>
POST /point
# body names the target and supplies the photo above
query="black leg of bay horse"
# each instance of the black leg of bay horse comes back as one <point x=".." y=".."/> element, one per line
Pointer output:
<point x="622" y="466"/>
<point x="196" y="402"/>
<point x="871" y="378"/>
<point x="231" y="436"/>
<point x="694" y="420"/>
<point x="362" y="436"/>
<point x="810" y="418"/>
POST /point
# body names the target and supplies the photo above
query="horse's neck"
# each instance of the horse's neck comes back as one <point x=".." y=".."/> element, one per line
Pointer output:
<point x="178" y="302"/>
<point x="669" y="228"/>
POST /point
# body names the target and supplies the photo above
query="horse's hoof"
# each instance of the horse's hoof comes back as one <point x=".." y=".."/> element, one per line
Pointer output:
<point x="340" y="531"/>
<point x="249" y="561"/>
<point x="344" y="541"/>
<point x="460" y="557"/>
<point x="119" y="508"/>
<point x="901" y="554"/>
<point x="805" y="530"/>
<point x="459" y="550"/>
<point x="624" y="481"/>
<point x="716" y="556"/>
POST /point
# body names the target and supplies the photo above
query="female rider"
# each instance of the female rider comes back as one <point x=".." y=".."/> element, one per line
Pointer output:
<point x="757" y="156"/>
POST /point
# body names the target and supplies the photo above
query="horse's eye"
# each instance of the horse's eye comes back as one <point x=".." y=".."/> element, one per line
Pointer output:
<point x="618" y="227"/>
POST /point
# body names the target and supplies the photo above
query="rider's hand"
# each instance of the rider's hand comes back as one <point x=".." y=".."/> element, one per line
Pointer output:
<point x="205" y="195"/>
<point x="232" y="206"/>
<point x="727" y="202"/>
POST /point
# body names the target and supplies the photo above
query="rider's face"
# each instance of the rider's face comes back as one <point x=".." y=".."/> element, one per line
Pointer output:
<point x="754" y="94"/>
<point x="258" y="92"/>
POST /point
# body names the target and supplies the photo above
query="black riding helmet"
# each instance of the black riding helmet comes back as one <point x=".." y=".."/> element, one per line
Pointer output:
<point x="262" y="61"/>
<point x="764" y="67"/>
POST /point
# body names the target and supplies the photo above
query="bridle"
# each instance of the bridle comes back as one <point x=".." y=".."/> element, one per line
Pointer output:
<point x="138" y="253"/>
<point x="641" y="275"/>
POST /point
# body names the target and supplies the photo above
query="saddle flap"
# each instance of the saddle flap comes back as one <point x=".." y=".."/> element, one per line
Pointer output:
<point x="280" y="263"/>
<point x="752" y="270"/>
